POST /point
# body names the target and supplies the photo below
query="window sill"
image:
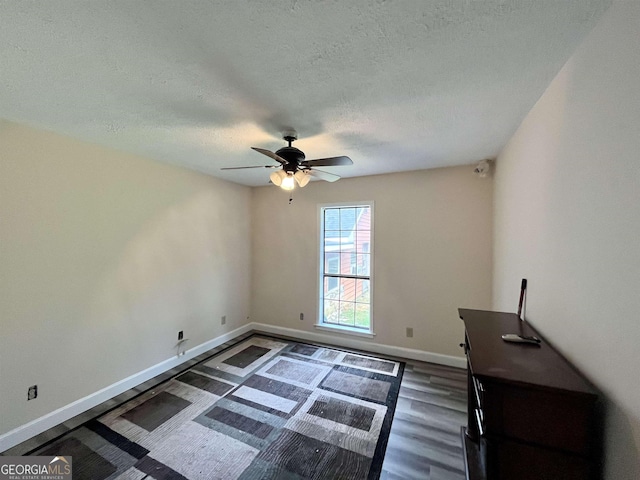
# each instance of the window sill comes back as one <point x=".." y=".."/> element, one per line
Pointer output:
<point x="346" y="330"/>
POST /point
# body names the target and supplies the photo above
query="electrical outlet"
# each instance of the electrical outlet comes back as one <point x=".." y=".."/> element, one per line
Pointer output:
<point x="32" y="392"/>
<point x="180" y="335"/>
<point x="409" y="332"/>
<point x="302" y="316"/>
<point x="223" y="320"/>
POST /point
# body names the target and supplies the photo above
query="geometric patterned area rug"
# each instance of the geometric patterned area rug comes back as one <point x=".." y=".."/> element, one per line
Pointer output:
<point x="263" y="409"/>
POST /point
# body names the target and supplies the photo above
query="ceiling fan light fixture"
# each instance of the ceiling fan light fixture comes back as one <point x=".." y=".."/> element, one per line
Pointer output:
<point x="287" y="182"/>
<point x="302" y="177"/>
<point x="277" y="177"/>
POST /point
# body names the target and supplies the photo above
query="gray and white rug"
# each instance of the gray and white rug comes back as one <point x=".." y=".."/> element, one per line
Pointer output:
<point x="263" y="409"/>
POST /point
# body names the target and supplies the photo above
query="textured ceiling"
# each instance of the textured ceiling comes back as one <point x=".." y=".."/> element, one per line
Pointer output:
<point x="396" y="85"/>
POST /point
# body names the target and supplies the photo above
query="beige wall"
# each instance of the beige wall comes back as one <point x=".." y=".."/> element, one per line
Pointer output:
<point x="105" y="256"/>
<point x="432" y="253"/>
<point x="567" y="205"/>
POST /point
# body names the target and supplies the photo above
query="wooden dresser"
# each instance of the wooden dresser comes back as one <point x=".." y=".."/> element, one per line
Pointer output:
<point x="531" y="415"/>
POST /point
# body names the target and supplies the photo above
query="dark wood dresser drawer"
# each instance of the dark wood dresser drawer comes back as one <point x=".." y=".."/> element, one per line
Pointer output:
<point x="550" y="418"/>
<point x="526" y="462"/>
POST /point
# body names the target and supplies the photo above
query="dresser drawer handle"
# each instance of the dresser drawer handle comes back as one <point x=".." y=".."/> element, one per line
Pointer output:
<point x="479" y="422"/>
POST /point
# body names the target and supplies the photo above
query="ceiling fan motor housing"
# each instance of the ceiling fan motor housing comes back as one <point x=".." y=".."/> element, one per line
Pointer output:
<point x="293" y="156"/>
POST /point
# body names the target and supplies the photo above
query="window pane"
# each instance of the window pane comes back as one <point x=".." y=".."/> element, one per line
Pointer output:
<point x="331" y="290"/>
<point x="332" y="219"/>
<point x="363" y="239"/>
<point x="362" y="315"/>
<point x="362" y="291"/>
<point x="332" y="237"/>
<point x="347" y="312"/>
<point x="345" y="260"/>
<point x="331" y="311"/>
<point x="347" y="241"/>
<point x="347" y="219"/>
<point x="331" y="240"/>
<point x="353" y="263"/>
<point x="332" y="263"/>
<point x="348" y="289"/>
<point x="363" y="264"/>
<point x="364" y="218"/>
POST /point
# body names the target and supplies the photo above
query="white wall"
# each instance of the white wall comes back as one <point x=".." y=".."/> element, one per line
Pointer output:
<point x="432" y="253"/>
<point x="105" y="256"/>
<point x="567" y="217"/>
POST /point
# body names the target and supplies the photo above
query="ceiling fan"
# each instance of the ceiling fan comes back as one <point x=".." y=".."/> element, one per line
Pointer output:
<point x="295" y="169"/>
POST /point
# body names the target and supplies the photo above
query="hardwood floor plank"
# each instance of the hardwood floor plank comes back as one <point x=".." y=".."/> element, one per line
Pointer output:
<point x="431" y="413"/>
<point x="432" y="452"/>
<point x="418" y="432"/>
<point x="440" y="400"/>
<point x="424" y="443"/>
<point x="456" y="385"/>
<point x="386" y="475"/>
<point x="440" y="370"/>
<point x="432" y="387"/>
<point x="407" y="465"/>
<point x="442" y="474"/>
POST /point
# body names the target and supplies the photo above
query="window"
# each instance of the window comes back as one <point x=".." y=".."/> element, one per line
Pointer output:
<point x="345" y="260"/>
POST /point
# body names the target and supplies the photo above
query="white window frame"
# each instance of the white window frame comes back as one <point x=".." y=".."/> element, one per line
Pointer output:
<point x="320" y="310"/>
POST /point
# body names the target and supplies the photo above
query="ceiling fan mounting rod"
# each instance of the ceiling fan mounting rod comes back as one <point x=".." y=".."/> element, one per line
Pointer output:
<point x="290" y="136"/>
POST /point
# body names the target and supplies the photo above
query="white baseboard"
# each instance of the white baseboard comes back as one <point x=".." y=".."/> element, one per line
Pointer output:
<point x="39" y="425"/>
<point x="350" y="342"/>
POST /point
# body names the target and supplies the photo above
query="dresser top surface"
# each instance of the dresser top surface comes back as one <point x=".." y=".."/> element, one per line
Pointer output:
<point x="494" y="359"/>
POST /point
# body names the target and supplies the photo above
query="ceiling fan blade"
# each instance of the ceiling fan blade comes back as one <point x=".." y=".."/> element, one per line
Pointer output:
<point x="255" y="166"/>
<point x="328" y="162"/>
<point x="326" y="176"/>
<point x="270" y="154"/>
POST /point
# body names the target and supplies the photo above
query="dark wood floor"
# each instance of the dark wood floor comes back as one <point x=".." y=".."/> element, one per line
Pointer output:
<point x="425" y="434"/>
